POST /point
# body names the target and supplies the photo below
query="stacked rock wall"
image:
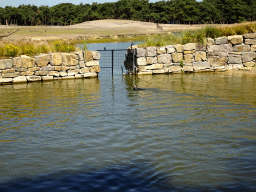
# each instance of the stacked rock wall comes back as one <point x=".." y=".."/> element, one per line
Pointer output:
<point x="220" y="54"/>
<point x="50" y="67"/>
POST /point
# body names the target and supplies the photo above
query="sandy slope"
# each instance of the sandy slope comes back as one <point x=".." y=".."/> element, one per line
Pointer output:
<point x="93" y="28"/>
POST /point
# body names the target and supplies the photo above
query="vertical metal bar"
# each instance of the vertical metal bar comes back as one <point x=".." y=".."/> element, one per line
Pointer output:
<point x="133" y="61"/>
<point x="112" y="62"/>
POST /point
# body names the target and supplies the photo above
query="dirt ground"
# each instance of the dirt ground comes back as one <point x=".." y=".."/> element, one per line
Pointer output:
<point x="91" y="29"/>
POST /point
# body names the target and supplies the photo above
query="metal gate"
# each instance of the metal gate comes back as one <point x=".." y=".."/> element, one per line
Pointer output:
<point x="112" y="61"/>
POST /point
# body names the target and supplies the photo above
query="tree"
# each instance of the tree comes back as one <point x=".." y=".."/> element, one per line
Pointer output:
<point x="45" y="11"/>
<point x="2" y="15"/>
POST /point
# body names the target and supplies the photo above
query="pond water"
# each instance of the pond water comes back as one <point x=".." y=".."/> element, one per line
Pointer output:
<point x="182" y="132"/>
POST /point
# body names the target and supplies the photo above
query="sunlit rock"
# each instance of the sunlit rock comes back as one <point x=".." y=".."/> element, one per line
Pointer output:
<point x="235" y="59"/>
<point x="47" y="78"/>
<point x="241" y="48"/>
<point x="5" y="64"/>
<point x="141" y="61"/>
<point x="221" y="40"/>
<point x="170" y="49"/>
<point x="19" y="79"/>
<point x="17" y="62"/>
<point x="164" y="58"/>
<point x="92" y="63"/>
<point x="151" y="51"/>
<point x="28" y="62"/>
<point x="177" y="57"/>
<point x="187" y="69"/>
<point x="248" y="56"/>
<point x="5" y="80"/>
<point x="200" y="56"/>
<point x="253" y="48"/>
<point x="249" y="64"/>
<point x="188" y="58"/>
<point x="189" y="46"/>
<point x="157" y="66"/>
<point x="179" y="48"/>
<point x="175" y="69"/>
<point x="56" y="59"/>
<point x="151" y="60"/>
<point x="41" y="73"/>
<point x="54" y="73"/>
<point x="250" y="36"/>
<point x="201" y="65"/>
<point x="42" y="60"/>
<point x="236" y="39"/>
<point x="141" y="52"/>
<point x="63" y="74"/>
<point x="33" y="78"/>
<point x="161" y="50"/>
<point x="95" y="68"/>
<point x="85" y="70"/>
<point x="250" y="41"/>
<point x="88" y="56"/>
<point x="96" y="55"/>
<point x="69" y="59"/>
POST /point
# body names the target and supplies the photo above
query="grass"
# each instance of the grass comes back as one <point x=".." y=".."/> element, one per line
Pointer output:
<point x="199" y="35"/>
<point x="238" y="29"/>
<point x="14" y="49"/>
<point x="161" y="40"/>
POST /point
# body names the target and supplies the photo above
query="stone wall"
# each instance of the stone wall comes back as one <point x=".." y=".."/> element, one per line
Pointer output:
<point x="220" y="54"/>
<point x="50" y="67"/>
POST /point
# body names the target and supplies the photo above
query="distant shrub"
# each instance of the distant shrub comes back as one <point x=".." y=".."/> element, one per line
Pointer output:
<point x="11" y="50"/>
<point x="84" y="47"/>
<point x="60" y="46"/>
<point x="200" y="36"/>
<point x="44" y="49"/>
<point x="197" y="36"/>
<point x="227" y="31"/>
<point x="240" y="30"/>
<point x="187" y="37"/>
<point x="28" y="48"/>
<point x="161" y="40"/>
<point x="211" y="32"/>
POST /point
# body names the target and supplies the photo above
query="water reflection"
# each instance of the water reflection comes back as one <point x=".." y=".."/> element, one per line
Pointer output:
<point x="235" y="86"/>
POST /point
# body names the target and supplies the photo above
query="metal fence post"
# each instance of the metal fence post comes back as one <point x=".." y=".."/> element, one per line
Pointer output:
<point x="112" y="62"/>
<point x="133" y="61"/>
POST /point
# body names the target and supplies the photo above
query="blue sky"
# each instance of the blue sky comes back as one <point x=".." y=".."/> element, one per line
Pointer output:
<point x="50" y="3"/>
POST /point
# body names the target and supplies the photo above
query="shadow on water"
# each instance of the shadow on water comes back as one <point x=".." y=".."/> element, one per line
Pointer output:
<point x="132" y="177"/>
<point x="136" y="176"/>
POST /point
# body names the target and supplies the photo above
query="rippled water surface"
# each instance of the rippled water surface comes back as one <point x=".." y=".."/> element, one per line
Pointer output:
<point x="181" y="132"/>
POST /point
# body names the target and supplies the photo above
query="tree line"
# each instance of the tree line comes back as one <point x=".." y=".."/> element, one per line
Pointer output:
<point x="170" y="11"/>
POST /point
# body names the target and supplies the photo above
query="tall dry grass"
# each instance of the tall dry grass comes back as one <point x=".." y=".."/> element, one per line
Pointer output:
<point x="13" y="49"/>
<point x="199" y="35"/>
<point x="238" y="29"/>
